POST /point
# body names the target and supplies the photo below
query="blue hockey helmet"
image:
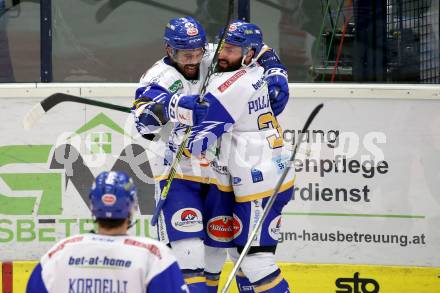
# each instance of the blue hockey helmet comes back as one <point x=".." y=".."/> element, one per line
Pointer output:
<point x="113" y="196"/>
<point x="185" y="33"/>
<point x="243" y="34"/>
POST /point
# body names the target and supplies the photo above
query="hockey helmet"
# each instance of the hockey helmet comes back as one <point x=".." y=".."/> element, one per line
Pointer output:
<point x="113" y="196"/>
<point x="243" y="34"/>
<point x="185" y="33"/>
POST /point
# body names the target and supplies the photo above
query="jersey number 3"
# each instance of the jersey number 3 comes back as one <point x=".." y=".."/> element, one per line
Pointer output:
<point x="267" y="120"/>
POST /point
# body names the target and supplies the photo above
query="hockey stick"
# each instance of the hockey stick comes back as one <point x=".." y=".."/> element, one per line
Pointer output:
<point x="37" y="111"/>
<point x="179" y="153"/>
<point x="271" y="201"/>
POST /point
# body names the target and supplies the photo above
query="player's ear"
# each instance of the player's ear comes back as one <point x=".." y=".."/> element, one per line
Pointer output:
<point x="249" y="55"/>
<point x="169" y="51"/>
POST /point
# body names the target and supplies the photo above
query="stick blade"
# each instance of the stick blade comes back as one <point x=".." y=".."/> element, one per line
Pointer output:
<point x="31" y="118"/>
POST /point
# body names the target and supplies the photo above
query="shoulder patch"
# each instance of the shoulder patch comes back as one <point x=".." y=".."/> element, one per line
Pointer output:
<point x="177" y="85"/>
<point x="63" y="244"/>
<point x="231" y="80"/>
<point x="153" y="249"/>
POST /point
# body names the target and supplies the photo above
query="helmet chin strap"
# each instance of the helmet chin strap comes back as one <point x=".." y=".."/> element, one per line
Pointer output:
<point x="173" y="54"/>
<point x="263" y="50"/>
<point x="242" y="62"/>
<point x="243" y="58"/>
<point x="131" y="224"/>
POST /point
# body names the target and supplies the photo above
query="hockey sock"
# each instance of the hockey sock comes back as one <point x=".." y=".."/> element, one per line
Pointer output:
<point x="243" y="283"/>
<point x="212" y="281"/>
<point x="195" y="280"/>
<point x="274" y="283"/>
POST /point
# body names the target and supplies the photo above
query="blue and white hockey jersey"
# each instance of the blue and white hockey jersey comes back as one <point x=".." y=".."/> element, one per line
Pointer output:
<point x="251" y="142"/>
<point x="193" y="168"/>
<point x="252" y="150"/>
<point x="99" y="263"/>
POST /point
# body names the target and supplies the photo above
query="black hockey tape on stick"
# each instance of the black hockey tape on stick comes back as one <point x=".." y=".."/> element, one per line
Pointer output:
<point x="53" y="100"/>
<point x="270" y="202"/>
<point x="32" y="117"/>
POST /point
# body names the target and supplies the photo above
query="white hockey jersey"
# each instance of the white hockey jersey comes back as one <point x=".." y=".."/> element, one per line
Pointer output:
<point x="99" y="263"/>
<point x="193" y="168"/>
<point x="252" y="148"/>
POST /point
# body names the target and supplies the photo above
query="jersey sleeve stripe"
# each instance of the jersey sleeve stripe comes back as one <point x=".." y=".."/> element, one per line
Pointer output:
<point x="195" y="280"/>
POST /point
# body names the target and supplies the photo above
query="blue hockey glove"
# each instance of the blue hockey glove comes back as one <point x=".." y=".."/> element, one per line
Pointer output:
<point x="278" y="85"/>
<point x="186" y="109"/>
<point x="148" y="109"/>
<point x="276" y="78"/>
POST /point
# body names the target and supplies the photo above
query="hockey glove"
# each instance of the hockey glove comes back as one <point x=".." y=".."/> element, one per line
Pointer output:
<point x="148" y="109"/>
<point x="186" y="109"/>
<point x="278" y="86"/>
<point x="276" y="78"/>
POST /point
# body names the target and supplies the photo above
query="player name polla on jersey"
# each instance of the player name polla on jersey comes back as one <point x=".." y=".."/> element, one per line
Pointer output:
<point x="258" y="104"/>
<point x="253" y="148"/>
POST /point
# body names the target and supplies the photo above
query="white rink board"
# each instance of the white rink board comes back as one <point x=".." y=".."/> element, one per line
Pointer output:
<point x="28" y="156"/>
<point x="403" y="201"/>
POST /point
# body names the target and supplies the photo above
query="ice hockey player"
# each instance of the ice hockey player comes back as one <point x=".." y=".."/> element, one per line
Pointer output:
<point x="169" y="92"/>
<point x="109" y="260"/>
<point x="251" y="149"/>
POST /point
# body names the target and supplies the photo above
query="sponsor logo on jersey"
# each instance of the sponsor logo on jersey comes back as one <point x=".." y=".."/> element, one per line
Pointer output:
<point x="63" y="244"/>
<point x="153" y="249"/>
<point x="275" y="227"/>
<point x="177" y="85"/>
<point x="236" y="180"/>
<point x="258" y="84"/>
<point x="224" y="86"/>
<point x="162" y="233"/>
<point x="184" y="117"/>
<point x="221" y="228"/>
<point x="280" y="163"/>
<point x="257" y="175"/>
<point x="187" y="220"/>
<point x="99" y="261"/>
<point x="256" y="214"/>
<point x="237" y="226"/>
<point x="108" y="199"/>
<point x="223" y="170"/>
<point x="188" y="215"/>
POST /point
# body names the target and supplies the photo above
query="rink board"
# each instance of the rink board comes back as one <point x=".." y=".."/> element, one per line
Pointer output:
<point x="381" y="207"/>
<point x="306" y="278"/>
